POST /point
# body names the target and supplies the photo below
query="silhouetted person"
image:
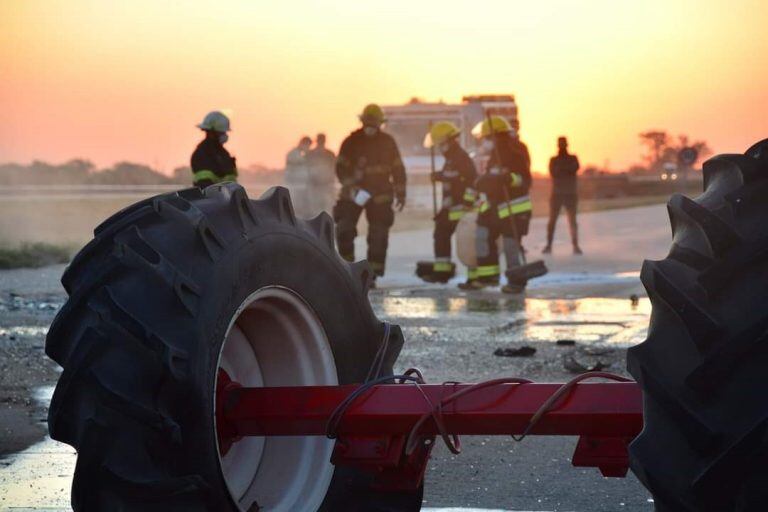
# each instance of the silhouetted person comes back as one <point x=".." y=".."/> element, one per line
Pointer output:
<point x="322" y="176"/>
<point x="563" y="169"/>
<point x="297" y="176"/>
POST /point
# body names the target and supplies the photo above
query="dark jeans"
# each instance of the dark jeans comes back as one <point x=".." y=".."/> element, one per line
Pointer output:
<point x="570" y="203"/>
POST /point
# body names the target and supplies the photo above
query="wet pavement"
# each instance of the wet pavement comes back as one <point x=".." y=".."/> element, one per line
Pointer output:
<point x="450" y="335"/>
<point x="40" y="477"/>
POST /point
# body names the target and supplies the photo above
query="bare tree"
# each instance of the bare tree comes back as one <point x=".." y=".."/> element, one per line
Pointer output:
<point x="662" y="148"/>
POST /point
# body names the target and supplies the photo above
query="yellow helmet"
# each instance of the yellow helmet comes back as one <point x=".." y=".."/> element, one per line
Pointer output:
<point x="215" y="121"/>
<point x="497" y="124"/>
<point x="440" y="132"/>
<point x="372" y="114"/>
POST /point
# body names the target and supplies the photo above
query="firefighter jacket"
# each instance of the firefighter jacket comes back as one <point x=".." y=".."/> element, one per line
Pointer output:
<point x="507" y="179"/>
<point x="458" y="178"/>
<point x="211" y="162"/>
<point x="371" y="163"/>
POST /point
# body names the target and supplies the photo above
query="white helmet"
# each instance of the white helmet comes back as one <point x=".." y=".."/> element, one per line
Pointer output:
<point x="215" y="121"/>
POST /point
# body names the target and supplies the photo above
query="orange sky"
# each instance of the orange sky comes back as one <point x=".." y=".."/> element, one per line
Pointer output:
<point x="128" y="80"/>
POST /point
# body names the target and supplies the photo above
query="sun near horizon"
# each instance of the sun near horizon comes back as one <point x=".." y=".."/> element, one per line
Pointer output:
<point x="110" y="81"/>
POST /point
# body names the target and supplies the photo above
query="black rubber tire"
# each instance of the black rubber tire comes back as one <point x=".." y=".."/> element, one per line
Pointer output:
<point x="703" y="366"/>
<point x="150" y="300"/>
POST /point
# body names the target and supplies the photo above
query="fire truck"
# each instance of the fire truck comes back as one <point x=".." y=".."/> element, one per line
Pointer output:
<point x="409" y="123"/>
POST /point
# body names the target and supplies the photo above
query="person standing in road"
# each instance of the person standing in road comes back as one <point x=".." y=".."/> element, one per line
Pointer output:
<point x="563" y="168"/>
<point x="321" y="162"/>
<point x="505" y="206"/>
<point x="210" y="162"/>
<point x="457" y="177"/>
<point x="372" y="176"/>
<point x="297" y="177"/>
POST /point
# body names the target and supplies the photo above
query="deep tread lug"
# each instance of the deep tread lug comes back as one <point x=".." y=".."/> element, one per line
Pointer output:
<point x="323" y="227"/>
<point x="363" y="272"/>
<point x="246" y="213"/>
<point x="702" y="328"/>
<point x="278" y="201"/>
<point x="720" y="235"/>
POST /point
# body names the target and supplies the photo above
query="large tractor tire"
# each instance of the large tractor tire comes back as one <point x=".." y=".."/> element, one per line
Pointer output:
<point x="704" y="367"/>
<point x="171" y="291"/>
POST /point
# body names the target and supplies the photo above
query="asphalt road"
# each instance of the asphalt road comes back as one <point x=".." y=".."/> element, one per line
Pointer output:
<point x="451" y="335"/>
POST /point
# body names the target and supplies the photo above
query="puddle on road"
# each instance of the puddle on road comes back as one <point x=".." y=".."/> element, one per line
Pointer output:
<point x="23" y="330"/>
<point x="39" y="477"/>
<point x="589" y="320"/>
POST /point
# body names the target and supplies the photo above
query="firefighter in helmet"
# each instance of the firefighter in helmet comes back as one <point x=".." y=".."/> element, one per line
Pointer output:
<point x="505" y="206"/>
<point x="211" y="163"/>
<point x="372" y="177"/>
<point x="457" y="177"/>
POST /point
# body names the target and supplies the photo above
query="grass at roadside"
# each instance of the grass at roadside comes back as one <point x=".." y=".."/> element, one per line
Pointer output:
<point x="33" y="255"/>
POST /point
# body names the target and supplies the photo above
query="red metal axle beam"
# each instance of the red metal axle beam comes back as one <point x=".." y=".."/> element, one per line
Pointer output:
<point x="590" y="409"/>
<point x="374" y="429"/>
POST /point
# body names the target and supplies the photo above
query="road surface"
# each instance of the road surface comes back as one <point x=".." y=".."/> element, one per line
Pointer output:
<point x="451" y="335"/>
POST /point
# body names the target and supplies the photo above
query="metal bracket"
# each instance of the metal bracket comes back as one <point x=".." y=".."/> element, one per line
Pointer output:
<point x="609" y="454"/>
<point x="385" y="458"/>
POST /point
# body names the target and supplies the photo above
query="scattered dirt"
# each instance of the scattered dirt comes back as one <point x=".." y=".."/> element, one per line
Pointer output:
<point x="24" y="368"/>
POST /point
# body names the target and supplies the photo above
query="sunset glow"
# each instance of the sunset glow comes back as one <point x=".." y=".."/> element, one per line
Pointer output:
<point x="111" y="81"/>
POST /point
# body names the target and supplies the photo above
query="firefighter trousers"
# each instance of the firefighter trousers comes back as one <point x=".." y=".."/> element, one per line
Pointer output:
<point x="489" y="227"/>
<point x="380" y="217"/>
<point x="445" y="226"/>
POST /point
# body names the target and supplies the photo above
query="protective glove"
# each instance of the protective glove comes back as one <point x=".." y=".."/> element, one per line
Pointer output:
<point x="400" y="202"/>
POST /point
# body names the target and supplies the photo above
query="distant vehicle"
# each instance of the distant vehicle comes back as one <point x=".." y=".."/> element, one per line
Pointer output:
<point x="410" y="122"/>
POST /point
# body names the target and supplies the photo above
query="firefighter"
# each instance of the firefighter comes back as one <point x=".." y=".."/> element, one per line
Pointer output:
<point x="211" y="163"/>
<point x="457" y="177"/>
<point x="372" y="176"/>
<point x="505" y="207"/>
<point x="563" y="169"/>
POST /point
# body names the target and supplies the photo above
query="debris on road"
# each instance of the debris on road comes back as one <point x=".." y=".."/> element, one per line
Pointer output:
<point x="573" y="366"/>
<point x="508" y="326"/>
<point x="597" y="351"/>
<point x="524" y="351"/>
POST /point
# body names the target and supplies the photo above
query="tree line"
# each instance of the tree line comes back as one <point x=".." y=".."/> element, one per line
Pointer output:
<point x="84" y="172"/>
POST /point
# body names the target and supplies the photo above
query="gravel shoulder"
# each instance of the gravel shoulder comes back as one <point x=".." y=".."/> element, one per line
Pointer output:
<point x="29" y="299"/>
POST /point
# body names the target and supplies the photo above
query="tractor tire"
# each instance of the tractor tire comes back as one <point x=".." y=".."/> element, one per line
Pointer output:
<point x="171" y="290"/>
<point x="703" y="366"/>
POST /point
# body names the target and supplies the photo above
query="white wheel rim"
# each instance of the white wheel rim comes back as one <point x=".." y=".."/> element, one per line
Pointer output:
<point x="276" y="339"/>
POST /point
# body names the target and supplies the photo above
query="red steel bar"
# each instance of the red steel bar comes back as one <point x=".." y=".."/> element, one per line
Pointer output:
<point x="591" y="409"/>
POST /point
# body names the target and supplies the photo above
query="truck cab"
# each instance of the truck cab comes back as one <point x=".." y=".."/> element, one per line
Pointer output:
<point x="409" y="123"/>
